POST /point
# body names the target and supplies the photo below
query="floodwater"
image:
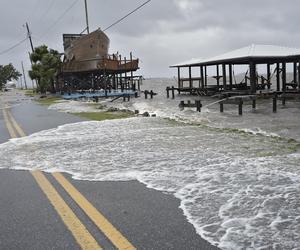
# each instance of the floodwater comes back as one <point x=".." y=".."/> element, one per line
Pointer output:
<point x="237" y="177"/>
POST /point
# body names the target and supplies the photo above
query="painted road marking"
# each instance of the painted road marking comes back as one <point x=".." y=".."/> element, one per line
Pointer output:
<point x="79" y="231"/>
<point x="15" y="124"/>
<point x="9" y="127"/>
<point x="100" y="221"/>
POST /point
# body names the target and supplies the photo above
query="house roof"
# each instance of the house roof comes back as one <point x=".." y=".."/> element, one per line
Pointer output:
<point x="254" y="52"/>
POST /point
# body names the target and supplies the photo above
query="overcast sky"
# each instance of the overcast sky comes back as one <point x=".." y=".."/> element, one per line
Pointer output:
<point x="162" y="33"/>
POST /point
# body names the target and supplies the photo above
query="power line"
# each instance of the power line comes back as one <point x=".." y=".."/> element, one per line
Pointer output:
<point x="45" y="13"/>
<point x="14" y="46"/>
<point x="59" y="18"/>
<point x="121" y="19"/>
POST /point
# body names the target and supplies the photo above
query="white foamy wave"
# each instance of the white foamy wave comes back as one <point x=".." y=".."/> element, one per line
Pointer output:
<point x="74" y="106"/>
<point x="240" y="191"/>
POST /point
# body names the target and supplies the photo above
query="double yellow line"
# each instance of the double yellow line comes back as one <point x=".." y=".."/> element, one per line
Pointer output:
<point x="72" y="222"/>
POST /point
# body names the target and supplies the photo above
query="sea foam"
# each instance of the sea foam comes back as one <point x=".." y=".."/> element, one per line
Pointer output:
<point x="239" y="190"/>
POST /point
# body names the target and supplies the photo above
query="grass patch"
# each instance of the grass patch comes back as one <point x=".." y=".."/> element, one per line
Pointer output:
<point x="100" y="116"/>
<point x="30" y="92"/>
<point x="48" y="100"/>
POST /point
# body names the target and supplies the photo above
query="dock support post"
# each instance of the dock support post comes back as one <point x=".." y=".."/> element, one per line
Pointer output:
<point x="269" y="75"/>
<point x="218" y="77"/>
<point x="205" y="76"/>
<point x="240" y="107"/>
<point x="168" y="94"/>
<point x="252" y="66"/>
<point x="295" y="72"/>
<point x="202" y="77"/>
<point x="254" y="104"/>
<point x="190" y="77"/>
<point x="151" y="94"/>
<point x="298" y="67"/>
<point x="221" y="107"/>
<point x="146" y="94"/>
<point x="278" y="76"/>
<point x="198" y="105"/>
<point x="224" y="76"/>
<point x="230" y="76"/>
<point x="131" y="72"/>
<point x="173" y="92"/>
<point x="283" y="76"/>
<point x="178" y="76"/>
<point x="181" y="105"/>
<point x="275" y="103"/>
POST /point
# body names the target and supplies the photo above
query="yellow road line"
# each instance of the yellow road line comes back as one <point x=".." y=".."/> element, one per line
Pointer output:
<point x="81" y="234"/>
<point x="78" y="230"/>
<point x="9" y="127"/>
<point x="101" y="222"/>
<point x="15" y="124"/>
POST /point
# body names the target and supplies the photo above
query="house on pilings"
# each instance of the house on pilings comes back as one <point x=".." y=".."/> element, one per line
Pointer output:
<point x="252" y="56"/>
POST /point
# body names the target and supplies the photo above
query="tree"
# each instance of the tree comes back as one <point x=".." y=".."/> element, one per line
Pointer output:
<point x="45" y="65"/>
<point x="8" y="73"/>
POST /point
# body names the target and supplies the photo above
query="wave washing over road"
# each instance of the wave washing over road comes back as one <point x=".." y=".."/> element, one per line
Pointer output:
<point x="239" y="189"/>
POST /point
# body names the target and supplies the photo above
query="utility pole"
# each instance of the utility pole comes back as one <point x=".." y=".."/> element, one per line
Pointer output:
<point x="32" y="49"/>
<point x="86" y="17"/>
<point x="31" y="67"/>
<point x="21" y="82"/>
<point x="29" y="36"/>
<point x="24" y="75"/>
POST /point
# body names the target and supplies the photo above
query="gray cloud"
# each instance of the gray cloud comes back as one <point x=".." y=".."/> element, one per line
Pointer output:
<point x="164" y="32"/>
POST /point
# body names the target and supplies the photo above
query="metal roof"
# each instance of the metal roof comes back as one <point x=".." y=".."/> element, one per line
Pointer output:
<point x="260" y="53"/>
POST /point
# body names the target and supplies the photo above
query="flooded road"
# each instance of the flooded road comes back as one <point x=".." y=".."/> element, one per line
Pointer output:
<point x="238" y="178"/>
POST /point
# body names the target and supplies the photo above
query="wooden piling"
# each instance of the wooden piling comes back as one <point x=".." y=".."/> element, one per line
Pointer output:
<point x="295" y="72"/>
<point x="283" y="76"/>
<point x="252" y="67"/>
<point x="224" y="76"/>
<point x="254" y="104"/>
<point x="278" y="76"/>
<point x="269" y="75"/>
<point x="168" y="94"/>
<point x="230" y="77"/>
<point x="190" y="77"/>
<point x="173" y="92"/>
<point x="205" y="76"/>
<point x="218" y="77"/>
<point x="151" y="94"/>
<point x="298" y="75"/>
<point x="198" y="105"/>
<point x="221" y="107"/>
<point x="178" y="76"/>
<point x="240" y="107"/>
<point x="275" y="103"/>
<point x="202" y="77"/>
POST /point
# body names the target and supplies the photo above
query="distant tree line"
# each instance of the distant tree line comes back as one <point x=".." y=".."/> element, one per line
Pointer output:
<point x="8" y="73"/>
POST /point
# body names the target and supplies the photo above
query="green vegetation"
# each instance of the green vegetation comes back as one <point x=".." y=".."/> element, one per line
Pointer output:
<point x="48" y="100"/>
<point x="46" y="63"/>
<point x="30" y="92"/>
<point x="100" y="116"/>
<point x="8" y="73"/>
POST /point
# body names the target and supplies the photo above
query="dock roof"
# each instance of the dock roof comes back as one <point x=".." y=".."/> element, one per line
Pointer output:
<point x="255" y="52"/>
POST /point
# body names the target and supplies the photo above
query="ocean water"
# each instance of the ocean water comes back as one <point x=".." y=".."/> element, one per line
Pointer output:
<point x="238" y="178"/>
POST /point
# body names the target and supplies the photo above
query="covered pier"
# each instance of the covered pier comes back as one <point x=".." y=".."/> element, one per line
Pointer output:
<point x="281" y="59"/>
